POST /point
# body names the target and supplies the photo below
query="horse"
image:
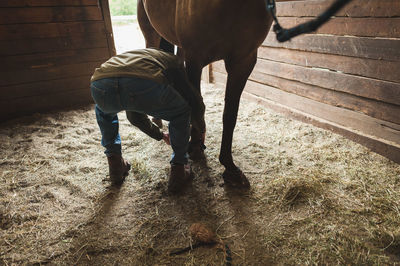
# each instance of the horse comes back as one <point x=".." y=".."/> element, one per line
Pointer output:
<point x="206" y="31"/>
<point x="210" y="30"/>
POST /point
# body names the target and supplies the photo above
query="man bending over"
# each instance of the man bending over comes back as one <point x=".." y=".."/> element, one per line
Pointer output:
<point x="147" y="82"/>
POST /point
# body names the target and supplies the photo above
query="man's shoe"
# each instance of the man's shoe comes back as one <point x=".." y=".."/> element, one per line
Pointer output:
<point x="180" y="176"/>
<point x="118" y="168"/>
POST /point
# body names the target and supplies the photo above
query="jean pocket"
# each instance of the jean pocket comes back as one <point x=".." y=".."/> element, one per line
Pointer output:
<point x="98" y="96"/>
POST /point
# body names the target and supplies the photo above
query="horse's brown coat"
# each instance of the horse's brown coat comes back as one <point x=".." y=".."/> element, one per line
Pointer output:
<point x="207" y="31"/>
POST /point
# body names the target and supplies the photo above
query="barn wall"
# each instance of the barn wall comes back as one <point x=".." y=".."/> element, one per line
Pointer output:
<point x="345" y="77"/>
<point x="49" y="49"/>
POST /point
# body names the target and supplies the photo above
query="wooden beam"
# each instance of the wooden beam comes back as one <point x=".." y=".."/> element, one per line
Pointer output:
<point x="32" y="3"/>
<point x="50" y="73"/>
<point x="55" y="44"/>
<point x="44" y="103"/>
<point x="361" y="27"/>
<point x="40" y="88"/>
<point x="372" y="68"/>
<point x="105" y="9"/>
<point x="49" y="14"/>
<point x="373" y="48"/>
<point x="386" y="131"/>
<point x="384" y="91"/>
<point x="49" y="30"/>
<point x="376" y="109"/>
<point x="52" y="59"/>
<point x="356" y="8"/>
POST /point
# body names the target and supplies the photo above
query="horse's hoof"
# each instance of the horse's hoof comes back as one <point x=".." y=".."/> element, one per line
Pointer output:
<point x="235" y="179"/>
<point x="196" y="151"/>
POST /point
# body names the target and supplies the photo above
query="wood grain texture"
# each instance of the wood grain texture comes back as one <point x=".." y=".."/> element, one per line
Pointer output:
<point x="44" y="103"/>
<point x="56" y="44"/>
<point x="48" y="73"/>
<point x="25" y="32"/>
<point x="50" y="49"/>
<point x="373" y="68"/>
<point x="372" y="48"/>
<point x="356" y="121"/>
<point x="108" y="26"/>
<point x="48" y="3"/>
<point x="388" y="92"/>
<point x="49" y="14"/>
<point x="360" y="27"/>
<point x="52" y="59"/>
<point x="356" y="8"/>
<point x="40" y="88"/>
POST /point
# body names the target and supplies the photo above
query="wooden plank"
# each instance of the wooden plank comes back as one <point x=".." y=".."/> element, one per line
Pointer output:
<point x="306" y="110"/>
<point x="389" y="150"/>
<point x="49" y="30"/>
<point x="373" y="48"/>
<point x="43" y="45"/>
<point x="376" y="109"/>
<point x="356" y="8"/>
<point x="105" y="9"/>
<point x="44" y="103"/>
<point x="385" y="91"/>
<point x="356" y="121"/>
<point x="50" y="73"/>
<point x="379" y="69"/>
<point x="44" y="87"/>
<point x="361" y="27"/>
<point x="32" y="3"/>
<point x="49" y="14"/>
<point x="55" y="58"/>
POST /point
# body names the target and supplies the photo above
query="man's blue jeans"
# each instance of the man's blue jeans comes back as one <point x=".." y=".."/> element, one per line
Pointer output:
<point x="113" y="95"/>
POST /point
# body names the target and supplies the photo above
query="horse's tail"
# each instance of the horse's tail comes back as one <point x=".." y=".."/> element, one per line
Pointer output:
<point x="283" y="35"/>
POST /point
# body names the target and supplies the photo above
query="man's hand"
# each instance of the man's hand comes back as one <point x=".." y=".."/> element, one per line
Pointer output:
<point x="166" y="138"/>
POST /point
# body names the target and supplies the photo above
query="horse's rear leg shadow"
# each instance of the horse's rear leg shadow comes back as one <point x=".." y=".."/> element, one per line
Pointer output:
<point x="202" y="172"/>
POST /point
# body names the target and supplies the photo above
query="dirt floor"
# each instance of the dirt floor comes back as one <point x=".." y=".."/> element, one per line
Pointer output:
<point x="316" y="198"/>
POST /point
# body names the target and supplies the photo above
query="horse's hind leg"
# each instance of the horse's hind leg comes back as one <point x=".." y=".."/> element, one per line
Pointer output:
<point x="239" y="69"/>
<point x="153" y="39"/>
<point x="151" y="36"/>
<point x="196" y="146"/>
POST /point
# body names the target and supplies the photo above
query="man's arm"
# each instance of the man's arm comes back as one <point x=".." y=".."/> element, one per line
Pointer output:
<point x="182" y="84"/>
<point x="142" y="122"/>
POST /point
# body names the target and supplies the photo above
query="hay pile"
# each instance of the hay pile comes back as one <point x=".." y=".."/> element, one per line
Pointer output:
<point x="316" y="197"/>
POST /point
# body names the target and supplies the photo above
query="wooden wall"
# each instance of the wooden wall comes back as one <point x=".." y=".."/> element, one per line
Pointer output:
<point x="49" y="50"/>
<point x="345" y="77"/>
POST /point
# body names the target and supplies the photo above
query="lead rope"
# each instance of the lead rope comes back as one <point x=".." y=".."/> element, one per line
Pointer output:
<point x="283" y="35"/>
